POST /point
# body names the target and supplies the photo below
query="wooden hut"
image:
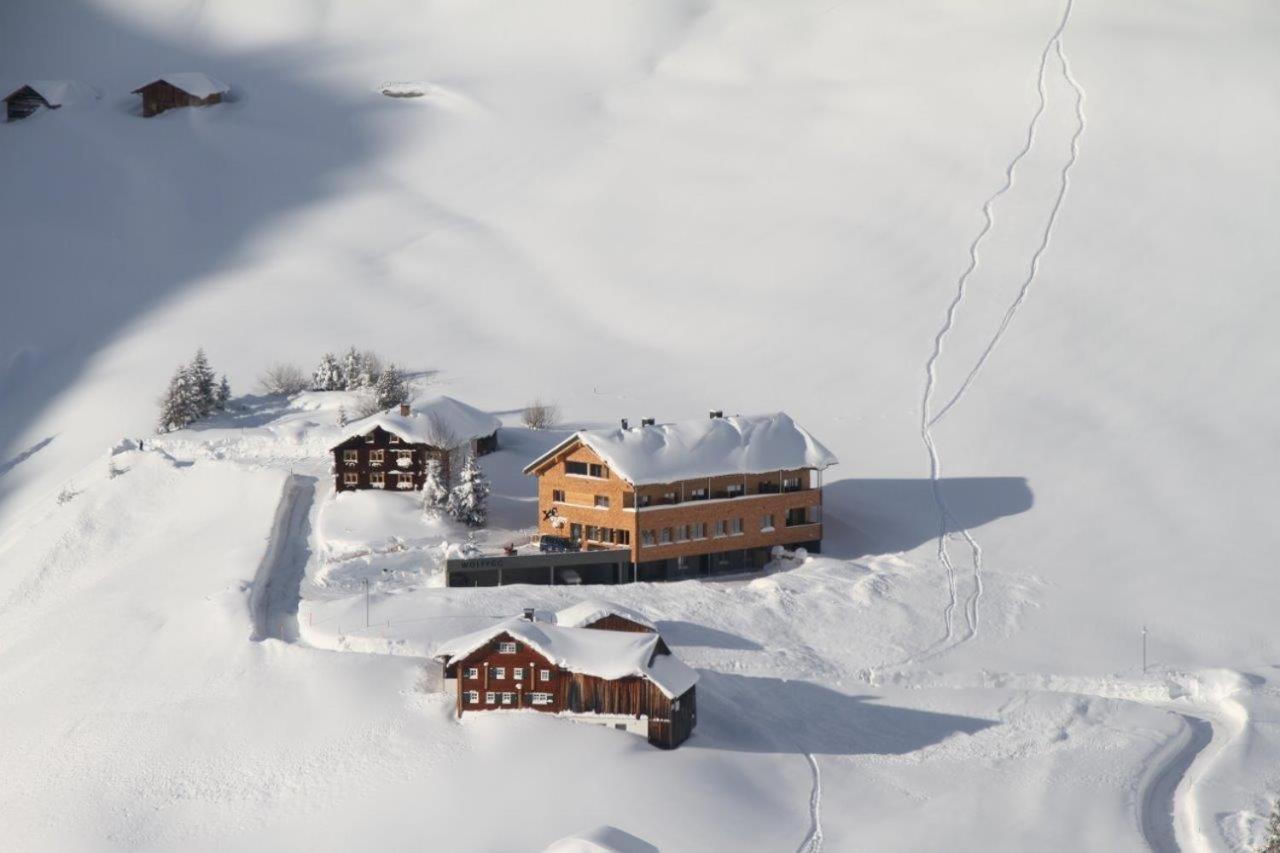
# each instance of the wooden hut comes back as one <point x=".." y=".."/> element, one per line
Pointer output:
<point x="185" y="89"/>
<point x="46" y="94"/>
<point x="622" y="679"/>
<point x="604" y="616"/>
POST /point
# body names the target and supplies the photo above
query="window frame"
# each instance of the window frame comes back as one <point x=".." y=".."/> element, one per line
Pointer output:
<point x="507" y="647"/>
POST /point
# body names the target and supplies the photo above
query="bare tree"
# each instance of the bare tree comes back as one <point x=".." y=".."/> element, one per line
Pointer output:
<point x="366" y="404"/>
<point x="540" y="415"/>
<point x="282" y="378"/>
<point x="443" y="436"/>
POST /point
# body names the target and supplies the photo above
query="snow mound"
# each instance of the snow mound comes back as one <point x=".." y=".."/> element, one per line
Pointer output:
<point x="61" y="93"/>
<point x="601" y="839"/>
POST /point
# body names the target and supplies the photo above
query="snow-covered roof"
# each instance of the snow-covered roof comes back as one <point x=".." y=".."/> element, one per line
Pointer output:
<point x="58" y="93"/>
<point x="603" y="654"/>
<point x="193" y="83"/>
<point x="593" y="609"/>
<point x="601" y="839"/>
<point x="420" y="425"/>
<point x="704" y="447"/>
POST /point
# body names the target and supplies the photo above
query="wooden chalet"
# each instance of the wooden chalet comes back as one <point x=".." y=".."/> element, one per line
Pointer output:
<point x="624" y="679"/>
<point x="45" y="94"/>
<point x="391" y="450"/>
<point x="686" y="499"/>
<point x="184" y="89"/>
<point x="603" y="616"/>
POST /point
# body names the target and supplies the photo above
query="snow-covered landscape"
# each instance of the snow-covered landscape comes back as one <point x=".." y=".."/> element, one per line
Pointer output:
<point x="1012" y="265"/>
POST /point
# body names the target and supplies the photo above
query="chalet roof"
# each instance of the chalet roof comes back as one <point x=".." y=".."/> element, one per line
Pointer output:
<point x="704" y="447"/>
<point x="57" y="93"/>
<point x="194" y="83"/>
<point x="420" y="425"/>
<point x="593" y="609"/>
<point x="603" y="654"/>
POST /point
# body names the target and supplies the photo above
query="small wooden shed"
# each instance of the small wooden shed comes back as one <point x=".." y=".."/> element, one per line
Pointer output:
<point x="49" y="94"/>
<point x="184" y="89"/>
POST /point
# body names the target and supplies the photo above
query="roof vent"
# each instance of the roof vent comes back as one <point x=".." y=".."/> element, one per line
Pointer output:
<point x="624" y="423"/>
<point x="528" y="614"/>
<point x="716" y="413"/>
<point x="644" y="422"/>
<point x="404" y="410"/>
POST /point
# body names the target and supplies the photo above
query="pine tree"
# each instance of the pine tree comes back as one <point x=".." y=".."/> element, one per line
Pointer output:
<point x="468" y="501"/>
<point x="352" y="370"/>
<point x="328" y="376"/>
<point x="180" y="404"/>
<point x="342" y="416"/>
<point x="435" y="494"/>
<point x="203" y="384"/>
<point x="223" y="395"/>
<point x="391" y="388"/>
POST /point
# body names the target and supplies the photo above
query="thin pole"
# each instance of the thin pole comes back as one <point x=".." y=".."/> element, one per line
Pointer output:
<point x="366" y="602"/>
<point x="1144" y="649"/>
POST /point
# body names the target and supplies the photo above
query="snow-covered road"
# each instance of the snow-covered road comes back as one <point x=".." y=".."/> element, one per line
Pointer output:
<point x="274" y="600"/>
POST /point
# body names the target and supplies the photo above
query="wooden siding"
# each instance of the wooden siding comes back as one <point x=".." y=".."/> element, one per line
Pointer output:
<point x="160" y="96"/>
<point x="384" y="442"/>
<point x="672" y="505"/>
<point x="670" y="722"/>
<point x="614" y="622"/>
<point x="23" y="103"/>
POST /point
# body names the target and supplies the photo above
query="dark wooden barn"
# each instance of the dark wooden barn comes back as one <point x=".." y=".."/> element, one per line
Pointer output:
<point x="46" y="94"/>
<point x="188" y="89"/>
<point x="523" y="665"/>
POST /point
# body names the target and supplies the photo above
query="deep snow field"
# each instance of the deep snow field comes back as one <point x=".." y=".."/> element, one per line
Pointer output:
<point x="1013" y="263"/>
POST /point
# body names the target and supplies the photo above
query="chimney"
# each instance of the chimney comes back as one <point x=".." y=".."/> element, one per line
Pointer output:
<point x="716" y="413"/>
<point x="624" y="423"/>
<point x="528" y="614"/>
<point x="404" y="409"/>
<point x="644" y="422"/>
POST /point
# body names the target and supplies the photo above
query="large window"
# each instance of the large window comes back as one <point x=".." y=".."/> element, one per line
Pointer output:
<point x="350" y="478"/>
<point x="734" y="490"/>
<point x="350" y="457"/>
<point x="722" y="528"/>
<point x="735" y="527"/>
<point x="377" y="479"/>
<point x="375" y="457"/>
<point x="595" y="470"/>
<point x="698" y="530"/>
<point x="506" y="648"/>
<point x="682" y="532"/>
<point x="602" y="501"/>
<point x="577" y="468"/>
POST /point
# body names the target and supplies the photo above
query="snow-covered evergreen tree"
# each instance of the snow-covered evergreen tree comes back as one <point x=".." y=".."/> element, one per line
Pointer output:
<point x="223" y="394"/>
<point x="468" y="500"/>
<point x="328" y="376"/>
<point x="435" y="493"/>
<point x="370" y="369"/>
<point x="352" y="370"/>
<point x="180" y="404"/>
<point x="391" y="388"/>
<point x="203" y="383"/>
<point x="342" y="416"/>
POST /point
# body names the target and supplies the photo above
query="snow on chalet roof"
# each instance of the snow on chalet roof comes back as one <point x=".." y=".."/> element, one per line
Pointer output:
<point x="192" y="82"/>
<point x="419" y="426"/>
<point x="593" y="609"/>
<point x="603" y="654"/>
<point x="58" y="93"/>
<point x="705" y="447"/>
<point x="601" y="839"/>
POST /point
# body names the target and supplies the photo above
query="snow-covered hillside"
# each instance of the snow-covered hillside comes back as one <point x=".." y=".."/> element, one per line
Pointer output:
<point x="1012" y="264"/>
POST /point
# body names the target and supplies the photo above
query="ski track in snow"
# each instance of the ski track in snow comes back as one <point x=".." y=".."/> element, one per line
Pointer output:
<point x="813" y="841"/>
<point x="950" y="637"/>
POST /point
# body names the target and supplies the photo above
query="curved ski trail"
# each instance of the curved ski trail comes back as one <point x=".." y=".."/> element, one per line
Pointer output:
<point x="812" y="842"/>
<point x="946" y="518"/>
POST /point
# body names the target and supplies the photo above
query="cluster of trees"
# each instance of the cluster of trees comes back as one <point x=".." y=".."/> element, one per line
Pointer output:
<point x="381" y="386"/>
<point x="467" y="502"/>
<point x="194" y="392"/>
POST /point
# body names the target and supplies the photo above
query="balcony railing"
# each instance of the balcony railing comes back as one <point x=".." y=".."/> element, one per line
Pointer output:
<point x="644" y="501"/>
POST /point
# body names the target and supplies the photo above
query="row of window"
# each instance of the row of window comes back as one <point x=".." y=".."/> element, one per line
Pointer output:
<point x="376" y="457"/>
<point x="499" y="673"/>
<point x="392" y="438"/>
<point x="700" y="493"/>
<point x="724" y="527"/>
<point x="585" y="469"/>
<point x="599" y="501"/>
<point x="603" y="535"/>
<point x="378" y="479"/>
<point x="492" y="698"/>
